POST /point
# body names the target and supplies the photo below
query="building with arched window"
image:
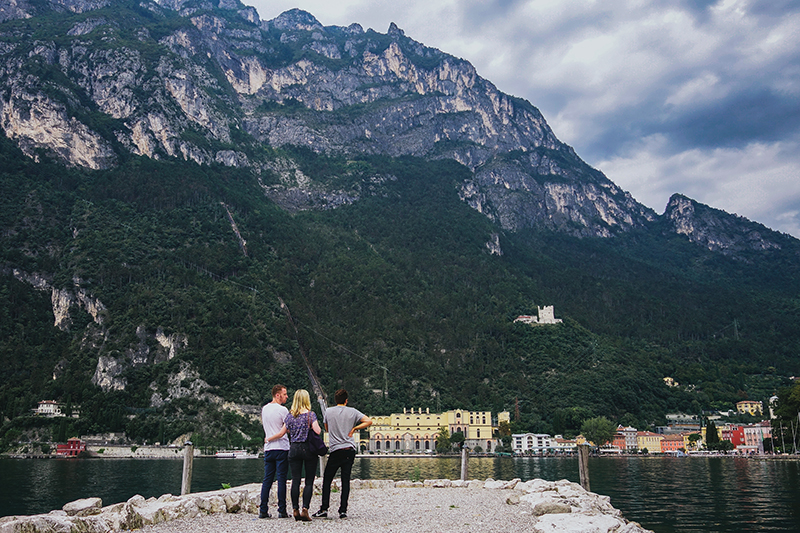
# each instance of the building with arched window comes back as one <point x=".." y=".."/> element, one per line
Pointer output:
<point x="415" y="431"/>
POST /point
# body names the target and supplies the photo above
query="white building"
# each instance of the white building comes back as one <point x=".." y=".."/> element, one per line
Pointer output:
<point x="629" y="433"/>
<point x="562" y="445"/>
<point x="547" y="315"/>
<point x="531" y="442"/>
<point x="49" y="408"/>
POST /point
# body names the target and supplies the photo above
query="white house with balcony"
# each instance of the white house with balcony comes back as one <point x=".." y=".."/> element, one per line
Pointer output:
<point x="523" y="443"/>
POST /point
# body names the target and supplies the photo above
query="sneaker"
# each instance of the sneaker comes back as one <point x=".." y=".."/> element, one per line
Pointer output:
<point x="322" y="513"/>
<point x="264" y="514"/>
<point x="342" y="515"/>
<point x="283" y="515"/>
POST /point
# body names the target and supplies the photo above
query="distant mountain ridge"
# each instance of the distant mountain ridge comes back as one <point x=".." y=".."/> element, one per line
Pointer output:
<point x="209" y="82"/>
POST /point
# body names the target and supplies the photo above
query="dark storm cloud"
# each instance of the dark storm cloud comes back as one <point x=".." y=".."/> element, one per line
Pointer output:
<point x="759" y="115"/>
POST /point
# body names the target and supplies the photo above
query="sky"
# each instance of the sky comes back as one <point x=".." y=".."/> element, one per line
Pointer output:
<point x="697" y="97"/>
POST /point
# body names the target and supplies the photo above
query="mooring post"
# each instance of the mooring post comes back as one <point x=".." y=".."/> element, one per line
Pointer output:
<point x="188" y="458"/>
<point x="583" y="465"/>
<point x="464" y="463"/>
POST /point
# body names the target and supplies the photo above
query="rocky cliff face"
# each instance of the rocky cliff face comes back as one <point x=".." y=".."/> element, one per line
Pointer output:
<point x="717" y="230"/>
<point x="192" y="79"/>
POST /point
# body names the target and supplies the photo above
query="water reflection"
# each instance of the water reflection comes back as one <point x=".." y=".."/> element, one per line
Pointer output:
<point x="664" y="494"/>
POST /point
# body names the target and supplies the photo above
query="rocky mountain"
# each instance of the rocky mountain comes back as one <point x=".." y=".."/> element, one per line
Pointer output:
<point x="718" y="230"/>
<point x="211" y="83"/>
<point x="187" y="166"/>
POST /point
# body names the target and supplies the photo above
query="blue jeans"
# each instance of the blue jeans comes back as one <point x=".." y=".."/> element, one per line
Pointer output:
<point x="275" y="464"/>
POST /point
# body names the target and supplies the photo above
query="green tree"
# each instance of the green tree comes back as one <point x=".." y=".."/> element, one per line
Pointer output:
<point x="503" y="429"/>
<point x="598" y="430"/>
<point x="787" y="417"/>
<point x="443" y="440"/>
<point x="693" y="438"/>
<point x="712" y="437"/>
<point x="457" y="438"/>
<point x="724" y="446"/>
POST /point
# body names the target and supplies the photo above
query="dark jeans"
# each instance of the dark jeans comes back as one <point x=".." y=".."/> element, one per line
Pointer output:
<point x="339" y="459"/>
<point x="300" y="457"/>
<point x="275" y="464"/>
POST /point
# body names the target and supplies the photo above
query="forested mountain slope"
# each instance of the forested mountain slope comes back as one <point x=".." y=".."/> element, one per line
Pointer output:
<point x="170" y="173"/>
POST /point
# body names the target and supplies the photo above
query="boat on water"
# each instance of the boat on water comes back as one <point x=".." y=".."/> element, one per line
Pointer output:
<point x="235" y="454"/>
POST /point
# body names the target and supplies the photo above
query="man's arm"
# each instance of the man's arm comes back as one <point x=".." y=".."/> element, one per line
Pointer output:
<point x="365" y="423"/>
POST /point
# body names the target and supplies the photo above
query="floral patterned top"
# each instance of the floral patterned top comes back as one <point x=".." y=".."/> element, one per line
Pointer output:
<point x="298" y="427"/>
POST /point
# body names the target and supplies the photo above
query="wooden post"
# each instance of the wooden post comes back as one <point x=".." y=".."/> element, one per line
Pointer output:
<point x="583" y="465"/>
<point x="464" y="463"/>
<point x="188" y="458"/>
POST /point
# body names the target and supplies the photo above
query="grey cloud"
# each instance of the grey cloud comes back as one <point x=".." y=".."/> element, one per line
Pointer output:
<point x="752" y="116"/>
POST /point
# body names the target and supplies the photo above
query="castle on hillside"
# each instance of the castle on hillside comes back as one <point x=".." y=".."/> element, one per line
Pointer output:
<point x="547" y="315"/>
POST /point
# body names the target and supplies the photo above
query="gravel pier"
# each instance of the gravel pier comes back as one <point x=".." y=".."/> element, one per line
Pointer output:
<point x="404" y="509"/>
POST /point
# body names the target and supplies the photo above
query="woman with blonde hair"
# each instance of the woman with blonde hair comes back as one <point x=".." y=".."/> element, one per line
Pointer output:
<point x="300" y="420"/>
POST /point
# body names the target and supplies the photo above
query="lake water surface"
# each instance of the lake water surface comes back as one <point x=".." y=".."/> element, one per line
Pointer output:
<point x="663" y="494"/>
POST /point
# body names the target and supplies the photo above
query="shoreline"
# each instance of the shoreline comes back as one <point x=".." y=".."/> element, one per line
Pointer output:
<point x="179" y="456"/>
<point x="382" y="505"/>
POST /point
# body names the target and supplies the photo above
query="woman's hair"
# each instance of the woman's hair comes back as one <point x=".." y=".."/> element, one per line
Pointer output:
<point x="301" y="401"/>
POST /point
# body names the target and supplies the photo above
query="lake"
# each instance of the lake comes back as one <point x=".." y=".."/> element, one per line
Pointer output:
<point x="684" y="494"/>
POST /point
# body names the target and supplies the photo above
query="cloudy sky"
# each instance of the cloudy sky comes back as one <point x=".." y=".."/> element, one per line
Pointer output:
<point x="699" y="97"/>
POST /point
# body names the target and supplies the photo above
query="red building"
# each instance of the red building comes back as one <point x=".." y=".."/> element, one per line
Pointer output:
<point x="733" y="433"/>
<point x="672" y="443"/>
<point x="72" y="448"/>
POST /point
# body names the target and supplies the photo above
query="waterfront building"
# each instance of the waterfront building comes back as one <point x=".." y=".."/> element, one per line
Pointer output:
<point x="72" y="448"/>
<point x="649" y="440"/>
<point x="754" y="435"/>
<point x="629" y="435"/>
<point x="415" y="431"/>
<point x="673" y="444"/>
<point x="749" y="407"/>
<point x="531" y="443"/>
<point x="562" y="445"/>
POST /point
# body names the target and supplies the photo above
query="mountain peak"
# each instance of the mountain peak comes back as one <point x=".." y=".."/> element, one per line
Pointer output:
<point x="716" y="229"/>
<point x="395" y="31"/>
<point x="296" y="19"/>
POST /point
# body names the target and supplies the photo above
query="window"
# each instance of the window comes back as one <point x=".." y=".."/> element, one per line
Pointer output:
<point x="416" y="444"/>
<point x="479" y="433"/>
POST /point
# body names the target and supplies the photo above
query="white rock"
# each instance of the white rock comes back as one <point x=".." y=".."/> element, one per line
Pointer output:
<point x="84" y="507"/>
<point x="576" y="523"/>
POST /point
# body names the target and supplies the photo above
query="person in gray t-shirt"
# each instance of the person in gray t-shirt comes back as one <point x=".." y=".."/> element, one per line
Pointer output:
<point x="341" y="422"/>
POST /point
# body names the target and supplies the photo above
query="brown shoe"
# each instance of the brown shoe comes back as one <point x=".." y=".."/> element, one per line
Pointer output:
<point x="296" y="514"/>
<point x="304" y="515"/>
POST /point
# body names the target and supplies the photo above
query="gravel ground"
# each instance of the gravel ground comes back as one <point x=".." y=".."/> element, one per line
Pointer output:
<point x="398" y="509"/>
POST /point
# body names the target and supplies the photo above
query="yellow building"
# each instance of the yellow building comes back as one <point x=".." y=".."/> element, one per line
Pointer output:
<point x="415" y="431"/>
<point x="749" y="407"/>
<point x="649" y="440"/>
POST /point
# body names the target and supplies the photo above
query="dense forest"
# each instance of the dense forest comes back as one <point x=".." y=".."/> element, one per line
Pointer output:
<point x="395" y="297"/>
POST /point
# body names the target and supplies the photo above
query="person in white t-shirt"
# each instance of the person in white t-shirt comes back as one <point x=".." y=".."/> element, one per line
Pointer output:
<point x="276" y="450"/>
<point x="340" y="423"/>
